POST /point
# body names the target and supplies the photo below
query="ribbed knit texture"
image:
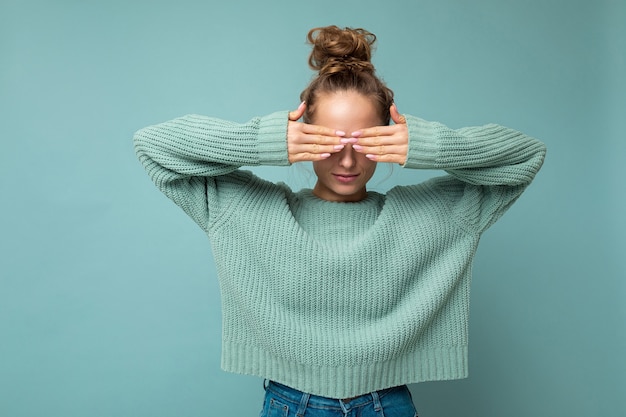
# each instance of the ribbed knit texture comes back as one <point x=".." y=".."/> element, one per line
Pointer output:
<point x="341" y="299"/>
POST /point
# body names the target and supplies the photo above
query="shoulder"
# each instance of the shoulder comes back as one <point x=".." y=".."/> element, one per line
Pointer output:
<point x="431" y="195"/>
<point x="409" y="193"/>
<point x="244" y="182"/>
<point x="244" y="197"/>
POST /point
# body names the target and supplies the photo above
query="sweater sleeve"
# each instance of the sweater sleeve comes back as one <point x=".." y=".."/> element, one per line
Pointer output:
<point x="489" y="166"/>
<point x="188" y="157"/>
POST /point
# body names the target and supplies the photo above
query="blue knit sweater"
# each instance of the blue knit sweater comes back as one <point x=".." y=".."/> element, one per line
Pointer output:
<point x="341" y="299"/>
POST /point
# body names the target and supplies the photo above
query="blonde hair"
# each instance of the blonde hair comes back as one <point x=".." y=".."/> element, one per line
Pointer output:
<point x="342" y="58"/>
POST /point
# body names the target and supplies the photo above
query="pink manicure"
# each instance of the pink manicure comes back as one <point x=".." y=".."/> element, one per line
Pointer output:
<point x="340" y="133"/>
<point x="357" y="147"/>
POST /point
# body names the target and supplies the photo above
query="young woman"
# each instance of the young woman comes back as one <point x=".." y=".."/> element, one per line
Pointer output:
<point x="339" y="296"/>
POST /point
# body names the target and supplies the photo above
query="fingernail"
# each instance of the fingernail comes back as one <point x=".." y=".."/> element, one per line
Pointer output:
<point x="301" y="104"/>
<point x="357" y="147"/>
<point x="340" y="133"/>
<point x="356" y="134"/>
<point x="346" y="141"/>
<point x="370" y="157"/>
<point x="324" y="155"/>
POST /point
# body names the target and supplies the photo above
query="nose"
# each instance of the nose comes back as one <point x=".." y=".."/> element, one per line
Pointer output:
<point x="347" y="157"/>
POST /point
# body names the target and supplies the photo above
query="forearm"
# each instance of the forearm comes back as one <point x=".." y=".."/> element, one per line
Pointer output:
<point x="484" y="155"/>
<point x="203" y="146"/>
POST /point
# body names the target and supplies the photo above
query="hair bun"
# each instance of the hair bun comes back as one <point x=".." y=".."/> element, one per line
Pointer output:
<point x="336" y="50"/>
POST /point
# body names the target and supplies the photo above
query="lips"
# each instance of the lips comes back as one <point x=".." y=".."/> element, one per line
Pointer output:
<point x="346" y="178"/>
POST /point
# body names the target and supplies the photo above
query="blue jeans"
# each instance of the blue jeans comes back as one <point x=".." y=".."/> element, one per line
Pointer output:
<point x="282" y="401"/>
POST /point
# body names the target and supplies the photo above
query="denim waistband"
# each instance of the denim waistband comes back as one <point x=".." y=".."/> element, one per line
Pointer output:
<point x="302" y="399"/>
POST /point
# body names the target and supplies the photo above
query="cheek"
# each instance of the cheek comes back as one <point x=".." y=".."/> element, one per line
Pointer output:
<point x="368" y="166"/>
<point x="368" y="172"/>
<point x="321" y="167"/>
<point x="371" y="171"/>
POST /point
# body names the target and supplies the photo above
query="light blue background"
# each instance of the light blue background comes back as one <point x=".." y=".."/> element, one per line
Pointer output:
<point x="109" y="303"/>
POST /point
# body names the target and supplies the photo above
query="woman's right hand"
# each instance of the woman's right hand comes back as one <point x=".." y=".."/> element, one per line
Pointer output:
<point x="307" y="142"/>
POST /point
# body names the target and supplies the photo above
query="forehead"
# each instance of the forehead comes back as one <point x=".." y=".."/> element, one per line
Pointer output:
<point x="346" y="110"/>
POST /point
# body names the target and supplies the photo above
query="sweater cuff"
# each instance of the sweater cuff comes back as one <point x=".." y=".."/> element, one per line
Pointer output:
<point x="272" y="139"/>
<point x="423" y="147"/>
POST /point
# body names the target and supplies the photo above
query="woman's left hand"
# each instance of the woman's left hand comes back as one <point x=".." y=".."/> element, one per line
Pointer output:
<point x="384" y="143"/>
